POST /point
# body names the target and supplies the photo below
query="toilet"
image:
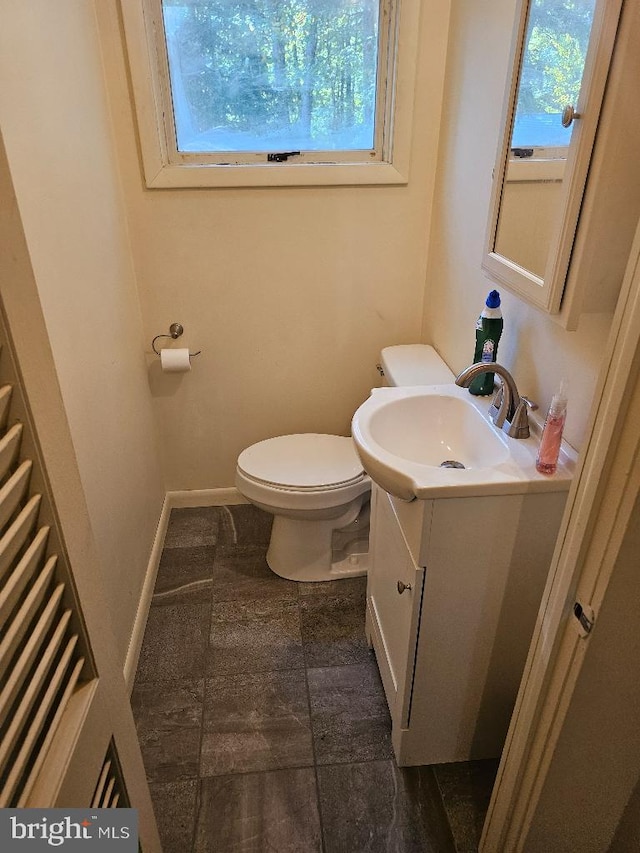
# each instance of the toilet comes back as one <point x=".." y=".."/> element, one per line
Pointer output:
<point x="316" y="489"/>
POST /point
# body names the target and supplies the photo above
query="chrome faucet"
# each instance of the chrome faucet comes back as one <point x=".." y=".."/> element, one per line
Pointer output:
<point x="508" y="411"/>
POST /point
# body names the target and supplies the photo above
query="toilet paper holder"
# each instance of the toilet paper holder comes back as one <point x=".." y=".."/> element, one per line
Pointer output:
<point x="175" y="330"/>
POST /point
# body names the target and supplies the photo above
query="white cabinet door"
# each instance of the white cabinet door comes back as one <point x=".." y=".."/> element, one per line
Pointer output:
<point x="394" y="600"/>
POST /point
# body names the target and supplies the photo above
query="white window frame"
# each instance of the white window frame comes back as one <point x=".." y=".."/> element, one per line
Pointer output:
<point x="545" y="164"/>
<point x="166" y="167"/>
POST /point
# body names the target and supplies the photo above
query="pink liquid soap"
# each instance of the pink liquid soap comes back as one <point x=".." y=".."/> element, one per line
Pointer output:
<point x="547" y="461"/>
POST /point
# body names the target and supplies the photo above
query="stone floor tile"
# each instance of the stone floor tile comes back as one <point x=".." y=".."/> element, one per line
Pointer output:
<point x="254" y="636"/>
<point x="256" y="812"/>
<point x="466" y="790"/>
<point x="174" y="644"/>
<point x="333" y="630"/>
<point x="375" y="807"/>
<point x="192" y="527"/>
<point x="184" y="575"/>
<point x="169" y="725"/>
<point x="349" y="715"/>
<point x="242" y="573"/>
<point x="174" y="804"/>
<point x="245" y="524"/>
<point x="342" y="587"/>
<point x="255" y="722"/>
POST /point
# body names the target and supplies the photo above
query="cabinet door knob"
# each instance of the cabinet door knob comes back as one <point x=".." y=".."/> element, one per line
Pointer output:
<point x="403" y="586"/>
<point x="569" y="115"/>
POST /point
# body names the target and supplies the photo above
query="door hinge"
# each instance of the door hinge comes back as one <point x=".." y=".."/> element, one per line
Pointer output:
<point x="585" y="616"/>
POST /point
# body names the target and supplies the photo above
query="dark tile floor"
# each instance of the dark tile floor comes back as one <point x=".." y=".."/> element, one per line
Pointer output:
<point x="261" y="715"/>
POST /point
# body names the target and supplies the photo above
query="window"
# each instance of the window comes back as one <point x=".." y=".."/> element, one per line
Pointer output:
<point x="272" y="92"/>
<point x="550" y="78"/>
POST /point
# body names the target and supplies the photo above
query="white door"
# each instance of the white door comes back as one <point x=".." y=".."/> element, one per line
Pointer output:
<point x="67" y="735"/>
<point x="598" y="526"/>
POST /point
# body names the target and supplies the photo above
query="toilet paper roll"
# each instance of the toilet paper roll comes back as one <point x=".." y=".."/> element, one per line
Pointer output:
<point x="175" y="360"/>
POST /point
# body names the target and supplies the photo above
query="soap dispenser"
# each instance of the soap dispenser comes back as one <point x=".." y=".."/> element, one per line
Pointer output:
<point x="549" y="450"/>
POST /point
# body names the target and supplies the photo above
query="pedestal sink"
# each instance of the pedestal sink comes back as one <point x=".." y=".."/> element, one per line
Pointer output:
<point x="404" y="435"/>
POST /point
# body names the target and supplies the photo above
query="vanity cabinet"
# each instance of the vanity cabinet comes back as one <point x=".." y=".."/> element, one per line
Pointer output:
<point x="453" y="592"/>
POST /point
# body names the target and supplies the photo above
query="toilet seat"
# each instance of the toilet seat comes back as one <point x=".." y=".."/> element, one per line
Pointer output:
<point x="302" y="473"/>
<point x="307" y="462"/>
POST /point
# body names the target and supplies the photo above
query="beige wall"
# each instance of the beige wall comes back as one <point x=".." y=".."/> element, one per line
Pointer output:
<point x="55" y="121"/>
<point x="534" y="347"/>
<point x="289" y="293"/>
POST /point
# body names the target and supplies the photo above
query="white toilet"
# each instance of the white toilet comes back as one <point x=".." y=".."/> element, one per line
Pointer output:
<point x="316" y="489"/>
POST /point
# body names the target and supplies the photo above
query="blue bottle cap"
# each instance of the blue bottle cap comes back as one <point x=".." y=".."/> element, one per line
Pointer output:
<point x="493" y="299"/>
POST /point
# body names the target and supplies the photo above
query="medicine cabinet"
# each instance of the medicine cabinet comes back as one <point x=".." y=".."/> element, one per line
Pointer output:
<point x="546" y="143"/>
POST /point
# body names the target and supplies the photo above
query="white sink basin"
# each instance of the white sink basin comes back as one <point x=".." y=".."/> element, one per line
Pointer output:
<point x="434" y="428"/>
<point x="403" y="435"/>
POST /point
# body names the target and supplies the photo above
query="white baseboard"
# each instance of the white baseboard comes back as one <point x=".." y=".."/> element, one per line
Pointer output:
<point x="205" y="497"/>
<point x="175" y="499"/>
<point x="137" y="635"/>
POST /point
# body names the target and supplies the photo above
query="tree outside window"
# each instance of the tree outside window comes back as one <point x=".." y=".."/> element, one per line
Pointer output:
<point x="553" y="63"/>
<point x="273" y="75"/>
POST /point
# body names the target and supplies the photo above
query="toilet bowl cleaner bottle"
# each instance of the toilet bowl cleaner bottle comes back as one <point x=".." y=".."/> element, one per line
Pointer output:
<point x="549" y="450"/>
<point x="488" y="331"/>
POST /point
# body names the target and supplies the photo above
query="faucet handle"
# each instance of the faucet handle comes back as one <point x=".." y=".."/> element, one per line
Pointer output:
<point x="518" y="427"/>
<point x="496" y="403"/>
<point x="531" y="404"/>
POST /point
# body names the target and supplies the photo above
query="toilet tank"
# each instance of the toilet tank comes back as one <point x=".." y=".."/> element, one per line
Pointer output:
<point x="414" y="364"/>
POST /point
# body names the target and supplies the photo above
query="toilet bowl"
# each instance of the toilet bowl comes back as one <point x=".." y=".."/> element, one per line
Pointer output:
<point x="316" y="489"/>
<point x="314" y="486"/>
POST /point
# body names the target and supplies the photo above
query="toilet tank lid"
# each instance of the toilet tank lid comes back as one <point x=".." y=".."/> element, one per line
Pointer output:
<point x="414" y="364"/>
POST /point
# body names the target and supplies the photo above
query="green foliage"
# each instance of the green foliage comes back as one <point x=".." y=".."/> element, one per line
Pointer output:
<point x="251" y="67"/>
<point x="557" y="41"/>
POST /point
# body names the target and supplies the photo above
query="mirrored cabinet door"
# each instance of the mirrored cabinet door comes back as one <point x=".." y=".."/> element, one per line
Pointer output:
<point x="560" y="58"/>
